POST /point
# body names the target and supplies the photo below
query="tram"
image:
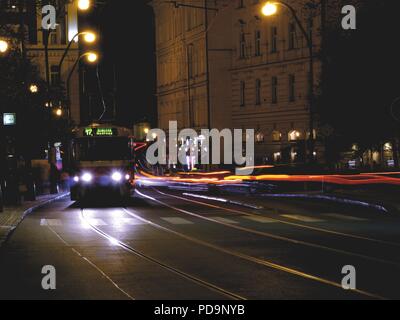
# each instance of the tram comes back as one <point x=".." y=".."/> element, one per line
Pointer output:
<point x="102" y="158"/>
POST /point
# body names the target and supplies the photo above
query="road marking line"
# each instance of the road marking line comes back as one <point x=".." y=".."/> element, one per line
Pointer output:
<point x="344" y="217"/>
<point x="132" y="222"/>
<point x="260" y="219"/>
<point x="176" y="220"/>
<point x="225" y="220"/>
<point x="50" y="222"/>
<point x="243" y="255"/>
<point x="301" y="218"/>
<point x="304" y="226"/>
<point x="97" y="222"/>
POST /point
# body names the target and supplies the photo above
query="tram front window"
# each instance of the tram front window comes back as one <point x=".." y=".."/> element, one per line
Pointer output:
<point x="102" y="149"/>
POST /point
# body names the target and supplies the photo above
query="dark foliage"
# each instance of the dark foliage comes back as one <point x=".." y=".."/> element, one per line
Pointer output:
<point x="360" y="79"/>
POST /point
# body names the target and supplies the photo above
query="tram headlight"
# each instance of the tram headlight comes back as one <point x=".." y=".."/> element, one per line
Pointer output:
<point x="87" y="177"/>
<point x="127" y="177"/>
<point x="116" y="176"/>
<point x="76" y="179"/>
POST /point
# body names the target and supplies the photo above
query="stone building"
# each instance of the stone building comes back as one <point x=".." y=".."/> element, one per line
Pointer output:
<point x="270" y="78"/>
<point x="222" y="64"/>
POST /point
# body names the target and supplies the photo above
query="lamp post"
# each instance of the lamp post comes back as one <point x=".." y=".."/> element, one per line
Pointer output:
<point x="91" y="57"/>
<point x="89" y="37"/>
<point x="3" y="49"/>
<point x="270" y="9"/>
<point x="83" y="5"/>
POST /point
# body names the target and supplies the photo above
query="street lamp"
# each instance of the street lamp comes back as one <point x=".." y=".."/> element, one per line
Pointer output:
<point x="33" y="88"/>
<point x="91" y="57"/>
<point x="59" y="112"/>
<point x="84" y="5"/>
<point x="270" y="8"/>
<point x="88" y="37"/>
<point x="3" y="46"/>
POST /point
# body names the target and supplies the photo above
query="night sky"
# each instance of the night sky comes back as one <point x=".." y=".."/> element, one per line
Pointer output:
<point x="128" y="43"/>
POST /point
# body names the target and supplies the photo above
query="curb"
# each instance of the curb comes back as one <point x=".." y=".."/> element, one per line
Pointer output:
<point x="29" y="211"/>
<point x="41" y="205"/>
<point x="381" y="208"/>
<point x="333" y="198"/>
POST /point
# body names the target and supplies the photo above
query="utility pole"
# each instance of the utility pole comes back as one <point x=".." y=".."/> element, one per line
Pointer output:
<point x="30" y="185"/>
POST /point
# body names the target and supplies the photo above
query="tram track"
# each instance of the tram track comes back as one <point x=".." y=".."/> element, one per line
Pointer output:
<point x="265" y="234"/>
<point x="246" y="257"/>
<point x="136" y="252"/>
<point x="293" y="224"/>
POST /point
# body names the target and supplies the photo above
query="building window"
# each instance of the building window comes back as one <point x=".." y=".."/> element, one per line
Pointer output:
<point x="276" y="136"/>
<point x="258" y="43"/>
<point x="259" y="137"/>
<point x="292" y="87"/>
<point x="274" y="90"/>
<point x="294" y="135"/>
<point x="242" y="93"/>
<point x="274" y="39"/>
<point x="240" y="3"/>
<point x="242" y="45"/>
<point x="63" y="30"/>
<point x="292" y="36"/>
<point x="258" y="92"/>
<point x="53" y="38"/>
<point x="190" y="61"/>
<point x="310" y="25"/>
<point x="54" y="75"/>
<point x="11" y="5"/>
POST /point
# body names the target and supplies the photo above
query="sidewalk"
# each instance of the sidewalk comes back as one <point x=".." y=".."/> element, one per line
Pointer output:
<point x="11" y="217"/>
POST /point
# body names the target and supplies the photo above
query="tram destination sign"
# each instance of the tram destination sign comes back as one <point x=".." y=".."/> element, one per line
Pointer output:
<point x="100" y="132"/>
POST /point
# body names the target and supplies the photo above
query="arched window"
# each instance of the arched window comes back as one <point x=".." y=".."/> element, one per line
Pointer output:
<point x="276" y="136"/>
<point x="387" y="147"/>
<point x="294" y="135"/>
<point x="259" y="137"/>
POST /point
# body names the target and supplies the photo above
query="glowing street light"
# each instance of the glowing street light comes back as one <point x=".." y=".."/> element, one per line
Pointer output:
<point x="3" y="46"/>
<point x="89" y="36"/>
<point x="92" y="57"/>
<point x="84" y="5"/>
<point x="33" y="88"/>
<point x="59" y="112"/>
<point x="269" y="9"/>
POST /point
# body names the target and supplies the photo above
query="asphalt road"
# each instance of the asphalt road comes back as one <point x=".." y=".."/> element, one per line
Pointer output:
<point x="167" y="245"/>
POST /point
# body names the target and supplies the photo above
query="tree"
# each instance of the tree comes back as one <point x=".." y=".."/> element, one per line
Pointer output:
<point x="17" y="73"/>
<point x="358" y="81"/>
